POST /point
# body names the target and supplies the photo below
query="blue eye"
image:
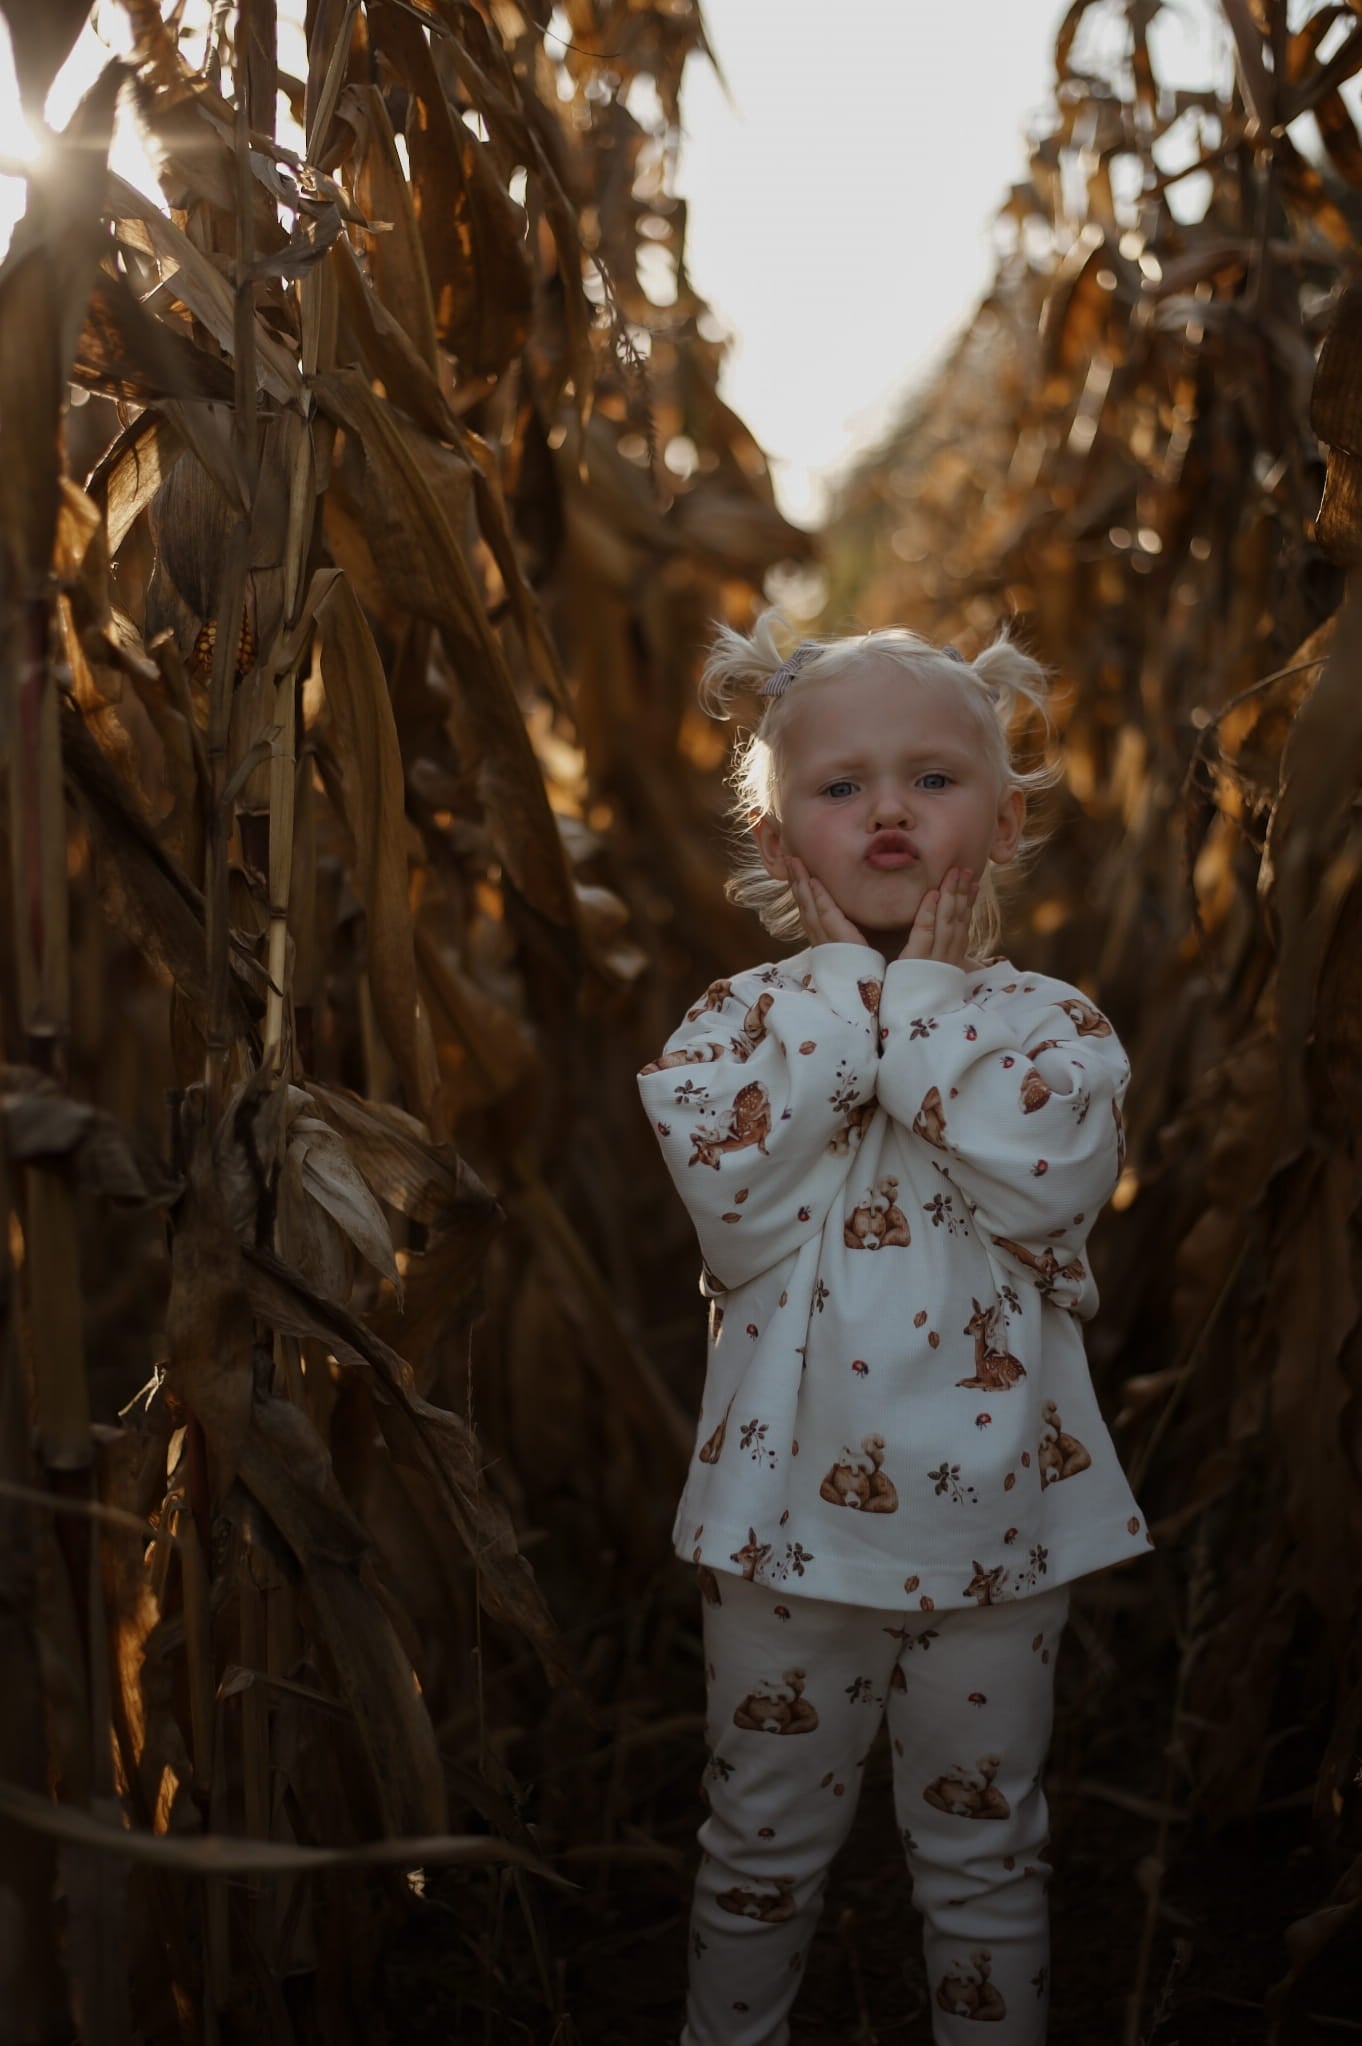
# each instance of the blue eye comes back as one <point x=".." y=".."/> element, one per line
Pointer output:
<point x="934" y="780"/>
<point x="834" y="787"/>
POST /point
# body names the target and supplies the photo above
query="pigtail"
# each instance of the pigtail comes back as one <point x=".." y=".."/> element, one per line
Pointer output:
<point x="740" y="665"/>
<point x="1013" y="678"/>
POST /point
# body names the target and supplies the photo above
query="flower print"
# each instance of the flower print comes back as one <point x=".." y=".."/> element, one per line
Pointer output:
<point x="689" y="1091"/>
<point x="1008" y="1294"/>
<point x="664" y="1129"/>
<point x="920" y="1027"/>
<point x="1009" y="1537"/>
<point x="983" y="1420"/>
<point x="858" y="1690"/>
<point x="860" y="1367"/>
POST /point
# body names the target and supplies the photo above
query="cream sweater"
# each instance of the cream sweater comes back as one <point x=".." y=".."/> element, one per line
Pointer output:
<point x="892" y="1172"/>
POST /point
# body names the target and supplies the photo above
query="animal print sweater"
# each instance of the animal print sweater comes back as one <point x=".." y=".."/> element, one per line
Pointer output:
<point x="892" y="1172"/>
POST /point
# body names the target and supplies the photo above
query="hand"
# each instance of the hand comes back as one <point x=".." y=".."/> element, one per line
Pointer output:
<point x="941" y="926"/>
<point x="823" y="921"/>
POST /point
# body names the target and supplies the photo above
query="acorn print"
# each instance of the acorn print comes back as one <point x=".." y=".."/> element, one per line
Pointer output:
<point x="911" y="1583"/>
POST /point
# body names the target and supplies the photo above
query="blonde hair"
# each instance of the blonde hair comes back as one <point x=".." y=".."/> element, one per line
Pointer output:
<point x="995" y="687"/>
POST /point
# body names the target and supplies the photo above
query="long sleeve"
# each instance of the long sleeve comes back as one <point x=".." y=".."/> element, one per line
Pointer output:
<point x="1020" y="1095"/>
<point x="754" y="1101"/>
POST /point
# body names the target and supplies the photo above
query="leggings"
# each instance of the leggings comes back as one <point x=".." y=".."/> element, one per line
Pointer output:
<point x="797" y="1690"/>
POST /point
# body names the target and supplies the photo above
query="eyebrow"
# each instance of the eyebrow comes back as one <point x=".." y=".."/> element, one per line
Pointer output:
<point x="847" y="763"/>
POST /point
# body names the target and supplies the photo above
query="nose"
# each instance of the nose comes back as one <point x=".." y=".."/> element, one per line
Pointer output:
<point x="890" y="811"/>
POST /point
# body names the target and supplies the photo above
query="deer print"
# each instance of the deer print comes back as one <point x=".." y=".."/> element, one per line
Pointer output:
<point x="753" y="1027"/>
<point x="930" y="1122"/>
<point x="861" y="1481"/>
<point x="771" y="1907"/>
<point x="1047" y="1266"/>
<point x="1034" y="1092"/>
<point x="752" y="1555"/>
<point x="780" y="1709"/>
<point x="879" y="1223"/>
<point x="995" y="1369"/>
<point x="839" y="1143"/>
<point x="715" y="995"/>
<point x="687" y="1055"/>
<point x="970" y="1797"/>
<point x="1059" y="1455"/>
<point x="749" y="1122"/>
<point x="985" y="1587"/>
<point x="972" y="1995"/>
<point x="1087" y="1021"/>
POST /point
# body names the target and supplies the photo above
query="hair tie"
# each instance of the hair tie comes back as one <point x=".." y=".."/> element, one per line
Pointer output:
<point x="953" y="653"/>
<point x="777" y="683"/>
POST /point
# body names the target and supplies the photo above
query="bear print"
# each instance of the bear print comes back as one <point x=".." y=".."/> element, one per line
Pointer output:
<point x="772" y="1907"/>
<point x="839" y="1143"/>
<point x="879" y="1223"/>
<point x="778" y="1710"/>
<point x="1034" y="1092"/>
<point x="749" y="1122"/>
<point x="715" y="995"/>
<point x="1087" y="1021"/>
<point x="1059" y="1455"/>
<point x="966" y="1994"/>
<point x="930" y="1122"/>
<point x="970" y="1797"/>
<point x="861" y="1481"/>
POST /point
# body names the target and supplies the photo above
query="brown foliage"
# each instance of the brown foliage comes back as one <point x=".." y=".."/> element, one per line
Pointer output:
<point x="1125" y="454"/>
<point x="338" y="664"/>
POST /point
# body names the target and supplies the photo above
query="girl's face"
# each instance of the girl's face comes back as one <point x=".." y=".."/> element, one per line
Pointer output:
<point x="885" y="785"/>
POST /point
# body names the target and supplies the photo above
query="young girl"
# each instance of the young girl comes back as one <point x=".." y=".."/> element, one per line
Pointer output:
<point x="893" y="1151"/>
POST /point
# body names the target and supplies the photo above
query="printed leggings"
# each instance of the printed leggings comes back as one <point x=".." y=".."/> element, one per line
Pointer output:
<point x="797" y="1689"/>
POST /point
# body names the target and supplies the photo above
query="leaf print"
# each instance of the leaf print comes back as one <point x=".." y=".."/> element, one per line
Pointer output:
<point x="920" y="1027"/>
<point x="920" y="1317"/>
<point x="753" y="1439"/>
<point x="820" y="1295"/>
<point x="948" y="1485"/>
<point x="859" y="1690"/>
<point x="808" y="1046"/>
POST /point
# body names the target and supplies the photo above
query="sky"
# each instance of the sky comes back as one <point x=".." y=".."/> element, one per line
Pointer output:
<point x="840" y="202"/>
<point x="841" y="184"/>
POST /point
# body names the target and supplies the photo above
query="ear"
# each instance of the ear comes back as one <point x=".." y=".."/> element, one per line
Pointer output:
<point x="766" y="832"/>
<point x="1007" y="837"/>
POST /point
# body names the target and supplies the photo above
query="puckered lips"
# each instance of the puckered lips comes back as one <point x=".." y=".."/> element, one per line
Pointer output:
<point x="888" y="849"/>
